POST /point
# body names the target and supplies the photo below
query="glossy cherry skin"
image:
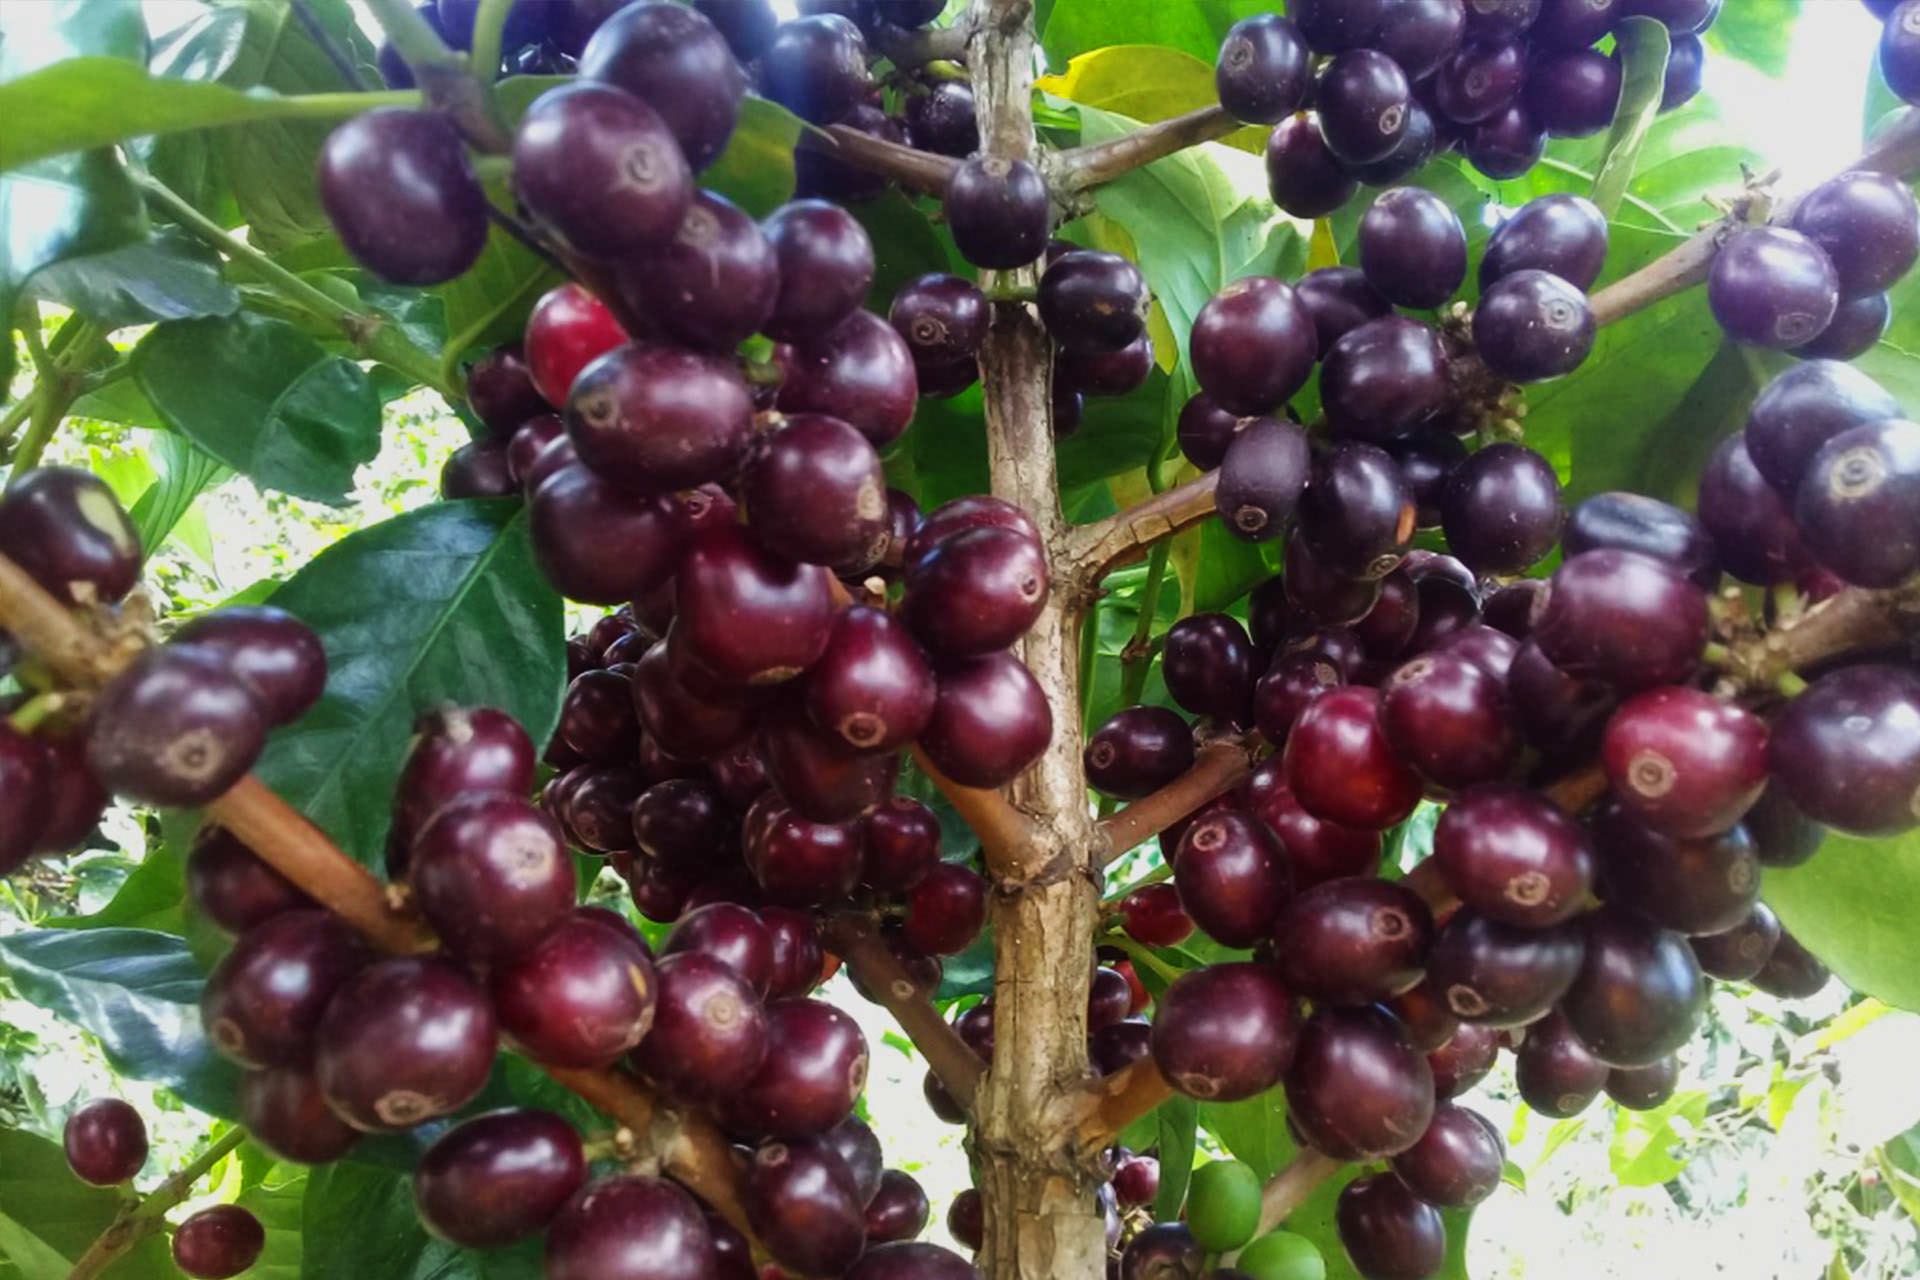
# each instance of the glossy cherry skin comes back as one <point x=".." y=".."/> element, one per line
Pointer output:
<point x="998" y="211"/>
<point x="815" y="492"/>
<point x="567" y="330"/>
<point x="709" y="1033"/>
<point x="498" y="1178"/>
<point x="1093" y="300"/>
<point x="175" y="728"/>
<point x="946" y="910"/>
<point x="1772" y="287"/>
<point x="501" y="393"/>
<point x="816" y="1066"/>
<point x="1737" y="954"/>
<point x="1698" y="886"/>
<point x="1302" y="175"/>
<point x="285" y="1112"/>
<point x="1480" y="80"/>
<point x="1138" y="751"/>
<point x="976" y="592"/>
<point x="656" y="418"/>
<point x="1624" y="618"/>
<point x="598" y="170"/>
<point x="976" y="511"/>
<point x="1382" y="378"/>
<point x="1317" y="851"/>
<point x="276" y="656"/>
<point x="730" y="933"/>
<point x="678" y="722"/>
<point x="681" y="821"/>
<point x="816" y="67"/>
<point x="825" y="262"/>
<point x="901" y="842"/>
<point x="218" y="1242"/>
<point x="1387" y="1232"/>
<point x="67" y="531"/>
<point x="1530" y="326"/>
<point x="1232" y="874"/>
<point x="232" y="886"/>
<point x="797" y="862"/>
<point x="1356" y="513"/>
<point x="818" y="773"/>
<point x="1563" y="234"/>
<point x="1457" y="1162"/>
<point x="860" y="371"/>
<point x="1634" y="522"/>
<point x="1263" y="70"/>
<point x="990" y="721"/>
<point x="1208" y="662"/>
<point x="1339" y="766"/>
<point x="944" y="120"/>
<point x="1857" y="326"/>
<point x="1557" y="1074"/>
<point x="1512" y="855"/>
<point x="1867" y="224"/>
<point x="1353" y="941"/>
<point x="594" y="542"/>
<point x="1357" y="1089"/>
<point x="1412" y="247"/>
<point x="1253" y="345"/>
<point x="1853" y="504"/>
<point x="105" y="1142"/>
<point x="1464" y="1060"/>
<point x="752" y="618"/>
<point x="1225" y="1032"/>
<point x="1644" y="1088"/>
<point x="580" y="996"/>
<point x="266" y="996"/>
<point x="966" y="1219"/>
<point x="491" y="874"/>
<point x="1683" y="762"/>
<point x="803" y="1208"/>
<point x="942" y="317"/>
<point x="1844" y="753"/>
<point x="1639" y="991"/>
<point x="629" y="1228"/>
<point x="1450" y="719"/>
<point x="1262" y="474"/>
<point x="675" y="61"/>
<point x="397" y="186"/>
<point x="1791" y="972"/>
<point x="898" y="1210"/>
<point x="1501" y="509"/>
<point x="404" y="1041"/>
<point x="27" y="780"/>
<point x="1500" y="974"/>
<point x="713" y="284"/>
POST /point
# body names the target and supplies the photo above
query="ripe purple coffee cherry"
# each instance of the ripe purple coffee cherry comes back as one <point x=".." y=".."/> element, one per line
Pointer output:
<point x="1562" y="234"/>
<point x="675" y="61"/>
<point x="277" y="656"/>
<point x="1624" y="618"/>
<point x="176" y="727"/>
<point x="404" y="1041"/>
<point x="1138" y="751"/>
<point x="1844" y="751"/>
<point x="1510" y="854"/>
<point x="630" y="1228"/>
<point x="105" y="1142"/>
<point x="942" y="317"/>
<point x="218" y="1242"/>
<point x="1253" y="345"/>
<point x="1868" y="225"/>
<point x="67" y="532"/>
<point x="1261" y="478"/>
<point x="1501" y="509"/>
<point x="491" y="874"/>
<point x="1457" y="1162"/>
<point x="1772" y="287"/>
<point x="859" y="371"/>
<point x="653" y="418"/>
<point x="990" y="720"/>
<point x="1232" y="874"/>
<point x="1856" y="504"/>
<point x="802" y="1205"/>
<point x="1382" y="378"/>
<point x="498" y="1178"/>
<point x="825" y="266"/>
<point x="752" y="617"/>
<point x="1263" y="70"/>
<point x="976" y="592"/>
<point x="1303" y="176"/>
<point x="594" y="542"/>
<point x="1532" y="325"/>
<point x="1225" y="1032"/>
<point x="713" y="284"/>
<point x="1353" y="941"/>
<point x="816" y="67"/>
<point x="1683" y="762"/>
<point x="232" y="886"/>
<point x="599" y="170"/>
<point x="816" y="1066"/>
<point x="998" y="211"/>
<point x="397" y="186"/>
<point x="1357" y="1089"/>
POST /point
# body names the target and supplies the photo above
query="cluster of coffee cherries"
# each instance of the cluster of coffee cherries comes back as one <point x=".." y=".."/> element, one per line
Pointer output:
<point x="106" y="1145"/>
<point x="338" y="1042"/>
<point x="1816" y="284"/>
<point x="1369" y="91"/>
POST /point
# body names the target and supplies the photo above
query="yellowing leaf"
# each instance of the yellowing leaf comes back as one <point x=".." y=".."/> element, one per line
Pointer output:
<point x="1148" y="83"/>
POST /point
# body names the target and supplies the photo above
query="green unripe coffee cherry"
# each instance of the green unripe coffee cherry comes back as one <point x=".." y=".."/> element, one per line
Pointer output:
<point x="1223" y="1205"/>
<point x="1282" y="1256"/>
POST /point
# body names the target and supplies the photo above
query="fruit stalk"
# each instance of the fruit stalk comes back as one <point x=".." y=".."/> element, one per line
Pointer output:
<point x="141" y="1218"/>
<point x="854" y="936"/>
<point x="442" y="74"/>
<point x="1081" y="168"/>
<point x="911" y="167"/>
<point x="1220" y="767"/>
<point x="1041" y="1221"/>
<point x="1094" y="550"/>
<point x="998" y="826"/>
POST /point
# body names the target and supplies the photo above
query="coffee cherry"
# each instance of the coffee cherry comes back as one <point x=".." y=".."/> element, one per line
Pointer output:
<point x="990" y="721"/>
<point x="501" y="393"/>
<point x="1231" y="871"/>
<point x="105" y="1142"/>
<point x="709" y="1033"/>
<point x="1253" y="345"/>
<point x="825" y="265"/>
<point x="1362" y="97"/>
<point x="231" y="885"/>
<point x="1867" y="224"/>
<point x="976" y="592"/>
<point x="1772" y="287"/>
<point x="1355" y="514"/>
<point x="218" y="1242"/>
<point x="176" y="727"/>
<point x="1388" y="1233"/>
<point x="491" y="874"/>
<point x="1209" y="666"/>
<point x="1093" y="301"/>
<point x="1136" y="1180"/>
<point x="1500" y="974"/>
<point x="285" y="1113"/>
<point x="801" y="1204"/>
<point x="1339" y="300"/>
<point x="275" y="655"/>
<point x="598" y="169"/>
<point x="1317" y="851"/>
<point x="264" y="999"/>
<point x="873" y="688"/>
<point x="1624" y="618"/>
<point x="859" y="371"/>
<point x="1450" y="719"/>
<point x="1844" y="753"/>
<point x="1639" y="991"/>
<point x="1737" y="954"/>
<point x="1138" y="751"/>
<point x="1574" y="24"/>
<point x="1155" y="917"/>
<point x="946" y="910"/>
<point x="821" y="173"/>
<point x="1697" y="886"/>
<point x="1791" y="971"/>
<point x="731" y="934"/>
<point x="1857" y="326"/>
<point x="1464" y="1060"/>
<point x="676" y="721"/>
<point x="1263" y="70"/>
<point x="1103" y="373"/>
<point x="943" y="120"/>
<point x="816" y="1066"/>
<point x="1575" y="94"/>
<point x="1632" y="522"/>
<point x="596" y="543"/>
<point x="1557" y="1074"/>
<point x="1303" y="176"/>
<point x="1340" y="767"/>
<point x="1352" y="941"/>
<point x="1412" y="247"/>
<point x="977" y="511"/>
<point x="1383" y="378"/>
<point x="64" y="528"/>
<point x="966" y="1219"/>
<point x="902" y="844"/>
<point x="1457" y="1162"/>
<point x="816" y="67"/>
<point x="1501" y="510"/>
<point x="897" y="1211"/>
<point x="1683" y="762"/>
<point x="405" y="1040"/>
<point x="1854" y="505"/>
<point x="998" y="212"/>
<point x="498" y="1178"/>
<point x="1490" y="650"/>
<point x="752" y="617"/>
<point x="629" y="1228"/>
<point x="654" y="418"/>
<point x="566" y="331"/>
<point x="1783" y="836"/>
<point x="1751" y="524"/>
<point x="713" y="284"/>
<point x="1565" y="235"/>
<point x="397" y="186"/>
<point x="823" y="778"/>
<point x="1224" y="1032"/>
<point x="675" y="61"/>
<point x="815" y="491"/>
<point x="1357" y="1089"/>
<point x="456" y="750"/>
<point x="1507" y="144"/>
<point x="1329" y="598"/>
<point x="797" y="862"/>
<point x="1531" y="325"/>
<point x="943" y="318"/>
<point x="1262" y="474"/>
<point x="1480" y="80"/>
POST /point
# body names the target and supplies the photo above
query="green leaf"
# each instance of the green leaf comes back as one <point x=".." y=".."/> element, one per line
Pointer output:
<point x="48" y="1216"/>
<point x="1148" y="83"/>
<point x="169" y="277"/>
<point x="138" y="991"/>
<point x="279" y="1201"/>
<point x="756" y="169"/>
<point x="359" y="1222"/>
<point x="1253" y="1130"/>
<point x="443" y="604"/>
<point x="185" y="473"/>
<point x="152" y="897"/>
<point x="1645" y="1146"/>
<point x="1229" y="567"/>
<point x="488" y="303"/>
<point x="1760" y="34"/>
<point x="1643" y="45"/>
<point x="265" y="399"/>
<point x="1196" y="27"/>
<point x="1178" y="1119"/>
<point x="121" y="401"/>
<point x="1851" y="906"/>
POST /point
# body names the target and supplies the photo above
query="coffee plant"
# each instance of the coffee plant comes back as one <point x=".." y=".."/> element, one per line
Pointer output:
<point x="1227" y="567"/>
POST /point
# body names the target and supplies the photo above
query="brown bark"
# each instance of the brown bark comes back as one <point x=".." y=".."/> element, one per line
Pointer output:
<point x="854" y="936"/>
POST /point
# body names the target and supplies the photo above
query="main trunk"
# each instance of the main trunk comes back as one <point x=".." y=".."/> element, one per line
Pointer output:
<point x="1041" y="1221"/>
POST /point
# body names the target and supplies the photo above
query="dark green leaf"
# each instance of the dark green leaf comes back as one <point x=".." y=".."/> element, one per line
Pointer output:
<point x="443" y="604"/>
<point x="756" y="169"/>
<point x="1643" y="45"/>
<point x="1851" y="906"/>
<point x="1179" y="1118"/>
<point x="488" y="304"/>
<point x="1117" y="434"/>
<point x="906" y="245"/>
<point x="138" y="991"/>
<point x="169" y="277"/>
<point x="121" y="401"/>
<point x="279" y="1201"/>
<point x="1253" y="1130"/>
<point x="1073" y="27"/>
<point x="265" y="399"/>
<point x="1229" y="568"/>
<point x="153" y="897"/>
<point x="359" y="1222"/>
<point x="185" y="473"/>
<point x="48" y="1217"/>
